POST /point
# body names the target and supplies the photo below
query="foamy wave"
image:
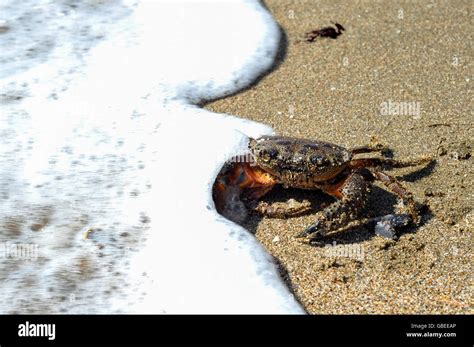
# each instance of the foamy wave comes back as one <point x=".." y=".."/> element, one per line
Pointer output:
<point x="108" y="165"/>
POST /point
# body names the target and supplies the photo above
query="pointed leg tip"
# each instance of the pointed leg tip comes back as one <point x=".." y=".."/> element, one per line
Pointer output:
<point x="316" y="241"/>
<point x="301" y="234"/>
<point x="309" y="230"/>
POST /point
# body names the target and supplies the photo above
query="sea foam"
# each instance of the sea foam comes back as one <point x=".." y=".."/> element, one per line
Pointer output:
<point x="107" y="162"/>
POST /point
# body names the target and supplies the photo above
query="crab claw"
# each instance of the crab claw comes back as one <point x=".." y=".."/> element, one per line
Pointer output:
<point x="386" y="226"/>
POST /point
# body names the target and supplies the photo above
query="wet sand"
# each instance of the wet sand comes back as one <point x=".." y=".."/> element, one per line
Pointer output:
<point x="346" y="91"/>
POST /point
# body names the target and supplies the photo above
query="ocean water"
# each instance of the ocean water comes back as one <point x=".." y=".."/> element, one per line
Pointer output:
<point x="107" y="161"/>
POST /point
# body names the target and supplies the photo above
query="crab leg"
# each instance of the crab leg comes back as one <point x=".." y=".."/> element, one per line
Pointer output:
<point x="375" y="162"/>
<point x="290" y="208"/>
<point x="368" y="149"/>
<point x="352" y="192"/>
<point x="396" y="187"/>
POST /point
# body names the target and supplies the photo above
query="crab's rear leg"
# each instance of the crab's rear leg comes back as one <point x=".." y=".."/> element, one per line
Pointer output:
<point x="352" y="193"/>
<point x="373" y="147"/>
<point x="391" y="163"/>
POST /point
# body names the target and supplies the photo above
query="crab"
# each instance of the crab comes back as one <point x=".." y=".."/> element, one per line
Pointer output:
<point x="306" y="164"/>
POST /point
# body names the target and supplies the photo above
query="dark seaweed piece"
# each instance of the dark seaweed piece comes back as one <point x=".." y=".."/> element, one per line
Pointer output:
<point x="330" y="32"/>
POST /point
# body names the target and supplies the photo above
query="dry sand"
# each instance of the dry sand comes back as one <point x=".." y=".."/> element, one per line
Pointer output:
<point x="333" y="90"/>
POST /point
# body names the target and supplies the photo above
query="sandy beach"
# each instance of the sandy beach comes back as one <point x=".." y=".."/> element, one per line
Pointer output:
<point x="339" y="91"/>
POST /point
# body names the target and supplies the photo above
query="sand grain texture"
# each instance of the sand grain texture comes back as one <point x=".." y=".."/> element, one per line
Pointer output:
<point x="332" y="90"/>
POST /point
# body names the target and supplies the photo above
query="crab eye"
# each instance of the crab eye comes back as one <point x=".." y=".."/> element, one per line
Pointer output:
<point x="317" y="160"/>
<point x="264" y="155"/>
<point x="272" y="153"/>
<point x="267" y="154"/>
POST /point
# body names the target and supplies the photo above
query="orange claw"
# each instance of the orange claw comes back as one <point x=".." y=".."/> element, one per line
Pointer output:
<point x="243" y="176"/>
<point x="256" y="177"/>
